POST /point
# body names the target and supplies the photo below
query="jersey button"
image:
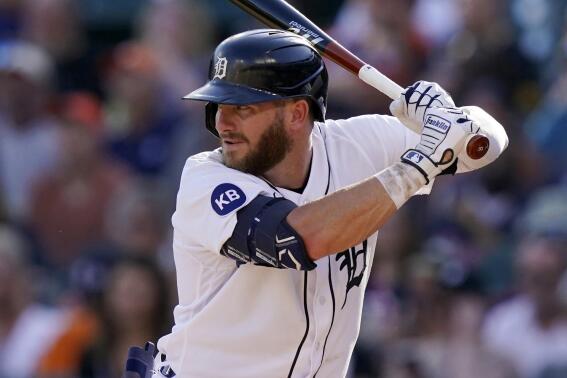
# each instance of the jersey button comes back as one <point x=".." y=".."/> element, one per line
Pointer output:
<point x="322" y="300"/>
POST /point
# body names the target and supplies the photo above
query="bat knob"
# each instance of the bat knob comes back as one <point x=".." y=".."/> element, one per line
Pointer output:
<point x="477" y="146"/>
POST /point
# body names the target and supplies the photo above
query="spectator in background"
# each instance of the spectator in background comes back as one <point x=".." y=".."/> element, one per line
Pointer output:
<point x="68" y="206"/>
<point x="464" y="354"/>
<point x="424" y="317"/>
<point x="9" y="18"/>
<point x="134" y="226"/>
<point x="436" y="34"/>
<point x="429" y="324"/>
<point x="134" y="229"/>
<point x="546" y="125"/>
<point x="27" y="329"/>
<point x="83" y="301"/>
<point x="134" y="310"/>
<point x="136" y="222"/>
<point x="29" y="135"/>
<point x="180" y="35"/>
<point x="62" y="359"/>
<point x="381" y="33"/>
<point x="141" y="122"/>
<point x="3" y="215"/>
<point x="56" y="26"/>
<point x="524" y="168"/>
<point x="484" y="48"/>
<point x="530" y="330"/>
<point x="486" y="204"/>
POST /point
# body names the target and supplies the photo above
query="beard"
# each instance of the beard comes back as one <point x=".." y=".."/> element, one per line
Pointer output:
<point x="273" y="146"/>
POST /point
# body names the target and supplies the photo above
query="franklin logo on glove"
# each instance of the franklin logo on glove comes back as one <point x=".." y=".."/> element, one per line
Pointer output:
<point x="435" y="122"/>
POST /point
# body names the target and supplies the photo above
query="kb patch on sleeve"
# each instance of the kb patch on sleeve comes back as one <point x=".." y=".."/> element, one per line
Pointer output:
<point x="226" y="198"/>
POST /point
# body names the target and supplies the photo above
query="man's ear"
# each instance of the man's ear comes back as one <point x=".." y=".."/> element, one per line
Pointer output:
<point x="298" y="114"/>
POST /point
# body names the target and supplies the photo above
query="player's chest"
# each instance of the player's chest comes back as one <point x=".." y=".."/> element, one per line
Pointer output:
<point x="342" y="277"/>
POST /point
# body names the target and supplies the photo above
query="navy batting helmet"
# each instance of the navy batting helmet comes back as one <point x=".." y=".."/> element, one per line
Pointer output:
<point x="263" y="65"/>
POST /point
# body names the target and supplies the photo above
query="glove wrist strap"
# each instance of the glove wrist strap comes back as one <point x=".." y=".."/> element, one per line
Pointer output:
<point x="421" y="162"/>
<point x="400" y="181"/>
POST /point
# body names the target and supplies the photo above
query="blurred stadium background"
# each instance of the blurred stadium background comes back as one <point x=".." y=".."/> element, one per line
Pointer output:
<point x="470" y="282"/>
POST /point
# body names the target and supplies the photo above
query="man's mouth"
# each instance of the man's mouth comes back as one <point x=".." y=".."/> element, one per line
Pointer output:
<point x="231" y="142"/>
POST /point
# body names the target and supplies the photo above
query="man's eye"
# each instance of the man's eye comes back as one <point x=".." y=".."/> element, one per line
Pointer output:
<point x="242" y="107"/>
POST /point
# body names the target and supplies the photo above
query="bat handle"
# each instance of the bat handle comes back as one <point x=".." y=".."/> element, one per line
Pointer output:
<point x="477" y="145"/>
<point x="378" y="80"/>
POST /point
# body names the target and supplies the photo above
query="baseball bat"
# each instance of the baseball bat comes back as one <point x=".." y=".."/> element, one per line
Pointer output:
<point x="278" y="14"/>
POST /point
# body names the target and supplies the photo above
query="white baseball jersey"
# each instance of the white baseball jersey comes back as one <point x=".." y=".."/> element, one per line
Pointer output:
<point x="256" y="321"/>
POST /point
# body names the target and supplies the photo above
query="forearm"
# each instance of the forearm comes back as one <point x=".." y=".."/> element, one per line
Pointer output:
<point x="347" y="217"/>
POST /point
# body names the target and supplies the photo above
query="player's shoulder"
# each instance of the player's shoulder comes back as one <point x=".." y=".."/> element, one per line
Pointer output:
<point x="364" y="120"/>
<point x="207" y="168"/>
<point x="378" y="138"/>
<point x="208" y="184"/>
<point x="205" y="172"/>
<point x="205" y="160"/>
<point x="367" y="128"/>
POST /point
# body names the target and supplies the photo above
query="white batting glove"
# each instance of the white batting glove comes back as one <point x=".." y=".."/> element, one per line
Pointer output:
<point x="442" y="139"/>
<point x="416" y="100"/>
<point x="490" y="128"/>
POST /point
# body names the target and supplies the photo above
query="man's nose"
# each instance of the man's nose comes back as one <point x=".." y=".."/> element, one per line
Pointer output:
<point x="224" y="119"/>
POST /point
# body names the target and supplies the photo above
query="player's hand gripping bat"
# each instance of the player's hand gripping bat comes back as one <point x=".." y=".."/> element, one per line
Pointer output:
<point x="280" y="15"/>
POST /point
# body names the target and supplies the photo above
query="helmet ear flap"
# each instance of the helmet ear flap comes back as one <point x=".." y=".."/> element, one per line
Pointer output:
<point x="210" y="118"/>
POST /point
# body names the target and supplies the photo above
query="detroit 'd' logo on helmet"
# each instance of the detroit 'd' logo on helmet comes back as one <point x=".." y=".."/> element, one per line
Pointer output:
<point x="220" y="68"/>
<point x="248" y="68"/>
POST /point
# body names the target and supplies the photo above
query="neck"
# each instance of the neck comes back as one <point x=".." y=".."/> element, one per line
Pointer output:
<point x="292" y="171"/>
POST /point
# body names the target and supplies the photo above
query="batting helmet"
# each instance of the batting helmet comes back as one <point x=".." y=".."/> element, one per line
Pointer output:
<point x="263" y="65"/>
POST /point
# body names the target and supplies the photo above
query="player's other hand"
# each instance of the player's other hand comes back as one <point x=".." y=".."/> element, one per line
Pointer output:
<point x="442" y="139"/>
<point x="416" y="100"/>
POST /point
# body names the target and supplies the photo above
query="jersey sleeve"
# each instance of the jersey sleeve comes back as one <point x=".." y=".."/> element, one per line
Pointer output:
<point x="209" y="197"/>
<point x="383" y="139"/>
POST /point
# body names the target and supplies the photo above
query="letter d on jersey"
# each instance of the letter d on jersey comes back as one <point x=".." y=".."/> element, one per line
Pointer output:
<point x="227" y="198"/>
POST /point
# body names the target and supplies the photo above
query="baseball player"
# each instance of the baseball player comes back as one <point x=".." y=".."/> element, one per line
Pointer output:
<point x="275" y="231"/>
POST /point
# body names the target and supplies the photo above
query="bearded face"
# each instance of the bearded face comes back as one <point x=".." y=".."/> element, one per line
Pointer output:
<point x="271" y="148"/>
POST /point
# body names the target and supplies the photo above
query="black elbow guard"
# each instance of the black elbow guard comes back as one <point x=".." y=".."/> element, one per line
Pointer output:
<point x="263" y="236"/>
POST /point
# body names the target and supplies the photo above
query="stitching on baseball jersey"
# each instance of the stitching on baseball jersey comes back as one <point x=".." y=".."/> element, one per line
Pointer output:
<point x="332" y="319"/>
<point x="306" y="327"/>
<point x="329" y="257"/>
<point x="306" y="272"/>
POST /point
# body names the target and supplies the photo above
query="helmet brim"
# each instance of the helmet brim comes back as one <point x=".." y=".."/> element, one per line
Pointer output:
<point x="223" y="92"/>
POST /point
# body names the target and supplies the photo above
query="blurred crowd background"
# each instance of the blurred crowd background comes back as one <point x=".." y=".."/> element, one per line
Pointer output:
<point x="468" y="282"/>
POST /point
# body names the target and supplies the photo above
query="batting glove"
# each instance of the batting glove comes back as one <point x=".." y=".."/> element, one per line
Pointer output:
<point x="416" y="100"/>
<point x="442" y="139"/>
